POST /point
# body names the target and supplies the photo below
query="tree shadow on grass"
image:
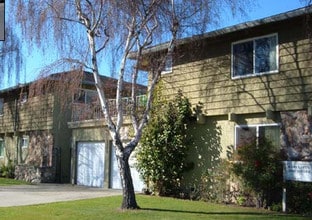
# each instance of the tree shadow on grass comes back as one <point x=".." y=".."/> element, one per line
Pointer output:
<point x="275" y="215"/>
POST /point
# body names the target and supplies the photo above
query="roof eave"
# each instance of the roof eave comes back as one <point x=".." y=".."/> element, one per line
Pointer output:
<point x="246" y="25"/>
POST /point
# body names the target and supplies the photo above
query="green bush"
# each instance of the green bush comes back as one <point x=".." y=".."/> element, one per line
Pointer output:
<point x="299" y="197"/>
<point x="8" y="170"/>
<point x="164" y="145"/>
<point x="259" y="166"/>
<point x="214" y="184"/>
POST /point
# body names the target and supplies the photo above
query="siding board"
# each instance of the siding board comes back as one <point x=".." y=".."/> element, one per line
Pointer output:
<point x="208" y="79"/>
<point x="35" y="114"/>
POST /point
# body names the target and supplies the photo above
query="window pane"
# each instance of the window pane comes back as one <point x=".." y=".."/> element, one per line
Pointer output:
<point x="80" y="97"/>
<point x="168" y="64"/>
<point x="25" y="142"/>
<point x="245" y="135"/>
<point x="243" y="58"/>
<point x="91" y="97"/>
<point x="265" y="54"/>
<point x="272" y="134"/>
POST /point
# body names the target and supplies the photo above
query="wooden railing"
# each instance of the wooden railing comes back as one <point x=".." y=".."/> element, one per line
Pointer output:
<point x="93" y="111"/>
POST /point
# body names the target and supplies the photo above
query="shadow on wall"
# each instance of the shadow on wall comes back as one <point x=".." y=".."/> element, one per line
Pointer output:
<point x="205" y="151"/>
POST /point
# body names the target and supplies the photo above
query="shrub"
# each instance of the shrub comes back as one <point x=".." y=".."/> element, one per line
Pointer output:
<point x="214" y="184"/>
<point x="299" y="197"/>
<point x="260" y="168"/>
<point x="164" y="145"/>
<point x="8" y="170"/>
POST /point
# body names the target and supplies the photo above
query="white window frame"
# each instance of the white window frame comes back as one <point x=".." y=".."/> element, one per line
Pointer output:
<point x="1" y="106"/>
<point x="257" y="126"/>
<point x="25" y="142"/>
<point x="253" y="68"/>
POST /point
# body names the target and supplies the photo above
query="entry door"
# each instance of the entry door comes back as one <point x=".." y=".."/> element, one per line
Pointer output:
<point x="90" y="164"/>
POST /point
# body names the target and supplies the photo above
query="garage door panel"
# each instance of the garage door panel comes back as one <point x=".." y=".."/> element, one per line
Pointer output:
<point x="90" y="164"/>
<point x="115" y="181"/>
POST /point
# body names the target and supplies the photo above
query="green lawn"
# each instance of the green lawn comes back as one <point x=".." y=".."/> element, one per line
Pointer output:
<point x="151" y="208"/>
<point x="7" y="181"/>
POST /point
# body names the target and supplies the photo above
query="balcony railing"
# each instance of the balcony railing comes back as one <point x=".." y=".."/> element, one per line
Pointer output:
<point x="93" y="111"/>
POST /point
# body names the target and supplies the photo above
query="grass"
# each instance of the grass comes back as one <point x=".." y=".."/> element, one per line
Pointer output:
<point x="7" y="182"/>
<point x="151" y="208"/>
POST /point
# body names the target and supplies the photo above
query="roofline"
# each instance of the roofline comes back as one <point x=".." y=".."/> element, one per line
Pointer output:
<point x="238" y="27"/>
<point x="51" y="77"/>
<point x="18" y="86"/>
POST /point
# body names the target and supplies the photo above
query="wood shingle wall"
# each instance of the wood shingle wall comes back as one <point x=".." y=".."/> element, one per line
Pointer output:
<point x="34" y="114"/>
<point x="203" y="72"/>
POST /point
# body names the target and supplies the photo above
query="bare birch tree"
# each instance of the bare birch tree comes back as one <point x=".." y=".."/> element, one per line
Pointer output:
<point x="89" y="32"/>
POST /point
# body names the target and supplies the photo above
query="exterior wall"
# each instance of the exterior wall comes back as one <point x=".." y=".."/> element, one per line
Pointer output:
<point x="34" y="162"/>
<point x="9" y="149"/>
<point x="89" y="132"/>
<point x="212" y="140"/>
<point x="34" y="114"/>
<point x="37" y="162"/>
<point x="204" y="75"/>
<point x="62" y="140"/>
<point x="94" y="131"/>
<point x="42" y="120"/>
<point x="221" y="103"/>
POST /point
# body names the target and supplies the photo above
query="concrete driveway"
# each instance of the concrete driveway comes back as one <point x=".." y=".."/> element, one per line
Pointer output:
<point x="46" y="193"/>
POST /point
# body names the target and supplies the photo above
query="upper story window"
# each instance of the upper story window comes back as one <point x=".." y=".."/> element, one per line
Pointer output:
<point x="86" y="96"/>
<point x="168" y="65"/>
<point x="255" y="56"/>
<point x="23" y="98"/>
<point x="1" y="106"/>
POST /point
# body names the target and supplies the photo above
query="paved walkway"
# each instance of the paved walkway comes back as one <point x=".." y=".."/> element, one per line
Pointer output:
<point x="46" y="193"/>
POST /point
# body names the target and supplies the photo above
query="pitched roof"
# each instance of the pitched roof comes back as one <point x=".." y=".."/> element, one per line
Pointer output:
<point x="87" y="79"/>
<point x="246" y="25"/>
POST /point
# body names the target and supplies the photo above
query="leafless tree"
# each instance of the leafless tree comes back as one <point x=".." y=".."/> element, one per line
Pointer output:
<point x="90" y="32"/>
<point x="11" y="57"/>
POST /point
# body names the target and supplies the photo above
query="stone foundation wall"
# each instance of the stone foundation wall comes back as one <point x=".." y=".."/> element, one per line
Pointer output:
<point x="296" y="135"/>
<point x="35" y="174"/>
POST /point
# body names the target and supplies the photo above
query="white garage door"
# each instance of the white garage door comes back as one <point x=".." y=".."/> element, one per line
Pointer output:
<point x="90" y="164"/>
<point x="115" y="182"/>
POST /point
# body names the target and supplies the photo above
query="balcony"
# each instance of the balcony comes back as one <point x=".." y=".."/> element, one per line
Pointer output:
<point x="93" y="111"/>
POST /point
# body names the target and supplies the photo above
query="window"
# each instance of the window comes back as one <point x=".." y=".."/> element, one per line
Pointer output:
<point x="245" y="134"/>
<point x="86" y="96"/>
<point x="24" y="142"/>
<point x="1" y="106"/>
<point x="168" y="65"/>
<point x="255" y="57"/>
<point x="23" y="98"/>
<point x="1" y="147"/>
<point x="141" y="100"/>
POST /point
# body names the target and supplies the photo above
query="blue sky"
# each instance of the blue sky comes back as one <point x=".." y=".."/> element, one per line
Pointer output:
<point x="265" y="8"/>
<point x="260" y="9"/>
